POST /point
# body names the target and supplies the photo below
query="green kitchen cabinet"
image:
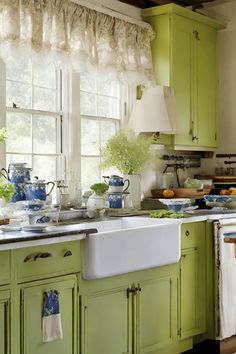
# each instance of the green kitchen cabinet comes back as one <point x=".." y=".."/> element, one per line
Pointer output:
<point x="106" y="323"/>
<point x="185" y="58"/>
<point x="32" y="298"/>
<point x="131" y="314"/>
<point x="5" y="322"/>
<point x="192" y="281"/>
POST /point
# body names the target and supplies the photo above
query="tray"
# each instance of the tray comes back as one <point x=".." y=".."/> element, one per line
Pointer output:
<point x="183" y="192"/>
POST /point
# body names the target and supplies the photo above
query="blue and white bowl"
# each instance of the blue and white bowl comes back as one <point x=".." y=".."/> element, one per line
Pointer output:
<point x="177" y="204"/>
<point x="219" y="198"/>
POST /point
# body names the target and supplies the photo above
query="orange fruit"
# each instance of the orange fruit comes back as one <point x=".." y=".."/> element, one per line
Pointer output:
<point x="224" y="192"/>
<point x="168" y="193"/>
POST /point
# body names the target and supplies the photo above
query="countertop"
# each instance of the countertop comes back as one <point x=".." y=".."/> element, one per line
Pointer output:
<point x="77" y="230"/>
<point x="52" y="234"/>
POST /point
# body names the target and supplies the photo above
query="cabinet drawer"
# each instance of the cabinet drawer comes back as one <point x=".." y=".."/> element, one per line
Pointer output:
<point x="5" y="266"/>
<point x="46" y="261"/>
<point x="189" y="236"/>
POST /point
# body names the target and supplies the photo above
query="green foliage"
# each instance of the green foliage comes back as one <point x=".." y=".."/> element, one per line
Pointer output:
<point x="3" y="135"/>
<point x="127" y="152"/>
<point x="6" y="190"/>
<point x="160" y="214"/>
<point x="99" y="188"/>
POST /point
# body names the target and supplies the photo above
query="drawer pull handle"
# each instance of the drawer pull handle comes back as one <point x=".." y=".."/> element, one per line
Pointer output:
<point x="187" y="233"/>
<point x="68" y="254"/>
<point x="35" y="256"/>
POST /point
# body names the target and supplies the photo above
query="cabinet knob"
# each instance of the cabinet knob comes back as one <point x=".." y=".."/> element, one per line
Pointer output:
<point x="196" y="33"/>
<point x="187" y="233"/>
<point x="194" y="138"/>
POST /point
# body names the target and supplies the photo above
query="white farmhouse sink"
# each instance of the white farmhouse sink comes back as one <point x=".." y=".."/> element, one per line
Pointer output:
<point x="130" y="244"/>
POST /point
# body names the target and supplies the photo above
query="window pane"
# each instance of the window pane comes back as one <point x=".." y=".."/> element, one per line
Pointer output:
<point x="45" y="167"/>
<point x="11" y="158"/>
<point x="44" y="134"/>
<point x="90" y="171"/>
<point x="20" y="94"/>
<point x="44" y="76"/>
<point x="19" y="70"/>
<point x="108" y="107"/>
<point x="19" y="132"/>
<point x="87" y="83"/>
<point x="88" y="104"/>
<point x="108" y="88"/>
<point x="44" y="99"/>
<point x="108" y="129"/>
<point x="90" y="137"/>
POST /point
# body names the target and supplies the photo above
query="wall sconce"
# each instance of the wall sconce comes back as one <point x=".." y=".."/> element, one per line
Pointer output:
<point x="155" y="112"/>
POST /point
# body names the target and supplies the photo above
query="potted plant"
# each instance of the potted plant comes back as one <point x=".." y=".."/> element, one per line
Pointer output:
<point x="128" y="153"/>
<point x="97" y="200"/>
<point x="6" y="190"/>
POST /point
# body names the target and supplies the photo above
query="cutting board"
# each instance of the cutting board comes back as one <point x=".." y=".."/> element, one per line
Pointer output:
<point x="182" y="192"/>
<point x="224" y="178"/>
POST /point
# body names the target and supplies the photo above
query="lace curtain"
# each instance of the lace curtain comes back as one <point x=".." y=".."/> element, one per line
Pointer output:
<point x="75" y="36"/>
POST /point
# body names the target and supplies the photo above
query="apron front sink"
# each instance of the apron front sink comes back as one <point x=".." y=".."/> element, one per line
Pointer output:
<point x="130" y="244"/>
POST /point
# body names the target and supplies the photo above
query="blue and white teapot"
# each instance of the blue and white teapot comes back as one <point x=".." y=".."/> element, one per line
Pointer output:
<point x="37" y="189"/>
<point x="116" y="184"/>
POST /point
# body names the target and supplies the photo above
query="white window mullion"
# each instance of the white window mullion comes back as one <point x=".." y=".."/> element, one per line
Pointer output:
<point x="2" y="110"/>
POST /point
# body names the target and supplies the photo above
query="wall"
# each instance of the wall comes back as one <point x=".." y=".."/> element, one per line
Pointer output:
<point x="226" y="12"/>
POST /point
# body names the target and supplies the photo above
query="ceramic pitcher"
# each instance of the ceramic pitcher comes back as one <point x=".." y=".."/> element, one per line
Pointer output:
<point x="116" y="183"/>
<point x="37" y="189"/>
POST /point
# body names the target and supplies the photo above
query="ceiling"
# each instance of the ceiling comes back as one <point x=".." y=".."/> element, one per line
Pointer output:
<point x="149" y="3"/>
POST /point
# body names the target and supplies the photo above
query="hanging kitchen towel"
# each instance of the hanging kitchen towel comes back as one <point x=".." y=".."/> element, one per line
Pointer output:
<point x="51" y="323"/>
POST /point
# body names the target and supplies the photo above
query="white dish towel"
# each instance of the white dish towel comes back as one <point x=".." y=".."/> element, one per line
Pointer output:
<point x="226" y="269"/>
<point x="51" y="321"/>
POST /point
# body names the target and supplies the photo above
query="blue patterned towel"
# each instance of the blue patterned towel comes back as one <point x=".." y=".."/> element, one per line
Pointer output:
<point x="51" y="323"/>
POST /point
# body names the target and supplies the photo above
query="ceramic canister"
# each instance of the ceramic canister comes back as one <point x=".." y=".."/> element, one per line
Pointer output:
<point x="115" y="200"/>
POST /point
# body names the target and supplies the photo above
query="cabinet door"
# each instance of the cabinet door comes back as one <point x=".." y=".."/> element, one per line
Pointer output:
<point x="181" y="77"/>
<point x="157" y="308"/>
<point x="106" y="322"/>
<point x="192" y="294"/>
<point x="32" y="297"/>
<point x="205" y="84"/>
<point x="4" y="322"/>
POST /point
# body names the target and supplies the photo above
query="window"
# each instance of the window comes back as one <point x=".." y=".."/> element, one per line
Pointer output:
<point x="100" y="110"/>
<point x="34" y="117"/>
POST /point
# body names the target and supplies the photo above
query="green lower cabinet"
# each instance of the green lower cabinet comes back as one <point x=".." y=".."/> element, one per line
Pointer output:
<point x="192" y="280"/>
<point x="106" y="323"/>
<point x="156" y="314"/>
<point x="139" y="317"/>
<point x="5" y="322"/>
<point x="32" y="298"/>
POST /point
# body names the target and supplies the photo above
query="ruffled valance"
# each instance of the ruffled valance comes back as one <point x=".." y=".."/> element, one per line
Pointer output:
<point x="76" y="36"/>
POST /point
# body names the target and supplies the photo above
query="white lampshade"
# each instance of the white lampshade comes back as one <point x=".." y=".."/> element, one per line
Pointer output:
<point x="155" y="111"/>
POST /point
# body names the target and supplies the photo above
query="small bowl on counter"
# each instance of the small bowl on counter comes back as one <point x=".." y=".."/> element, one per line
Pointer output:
<point x="227" y="201"/>
<point x="177" y="204"/>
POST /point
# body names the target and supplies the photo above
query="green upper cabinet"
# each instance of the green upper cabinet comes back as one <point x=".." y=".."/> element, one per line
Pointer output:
<point x="185" y="58"/>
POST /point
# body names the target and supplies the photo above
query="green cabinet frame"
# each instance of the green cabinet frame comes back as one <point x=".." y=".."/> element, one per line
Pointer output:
<point x="131" y="314"/>
<point x="185" y="58"/>
<point x="192" y="280"/>
<point x="5" y="322"/>
<point x="32" y="295"/>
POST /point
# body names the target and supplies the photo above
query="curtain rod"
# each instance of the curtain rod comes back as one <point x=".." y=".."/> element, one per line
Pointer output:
<point x="110" y="12"/>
